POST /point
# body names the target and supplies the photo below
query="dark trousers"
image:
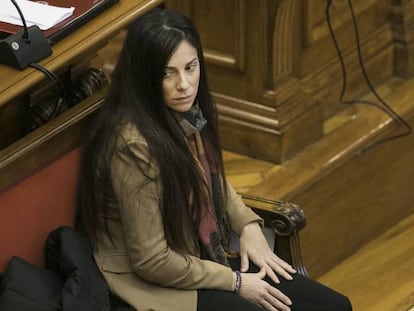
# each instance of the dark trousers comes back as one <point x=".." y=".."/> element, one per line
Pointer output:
<point x="306" y="295"/>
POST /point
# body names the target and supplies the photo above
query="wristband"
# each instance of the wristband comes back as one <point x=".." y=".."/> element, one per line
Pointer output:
<point x="238" y="285"/>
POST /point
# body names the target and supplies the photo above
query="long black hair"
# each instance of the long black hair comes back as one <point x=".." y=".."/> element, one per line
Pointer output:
<point x="136" y="96"/>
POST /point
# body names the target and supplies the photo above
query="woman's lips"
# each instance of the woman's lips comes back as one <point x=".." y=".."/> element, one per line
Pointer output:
<point x="184" y="99"/>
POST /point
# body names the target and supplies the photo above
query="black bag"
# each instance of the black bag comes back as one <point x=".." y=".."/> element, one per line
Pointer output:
<point x="26" y="287"/>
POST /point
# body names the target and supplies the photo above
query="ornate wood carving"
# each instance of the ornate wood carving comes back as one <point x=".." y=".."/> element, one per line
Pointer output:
<point x="283" y="40"/>
<point x="286" y="220"/>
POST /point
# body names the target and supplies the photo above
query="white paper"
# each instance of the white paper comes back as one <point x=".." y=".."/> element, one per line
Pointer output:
<point x="35" y="13"/>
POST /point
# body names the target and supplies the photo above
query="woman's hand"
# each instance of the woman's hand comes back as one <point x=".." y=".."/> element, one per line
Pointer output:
<point x="258" y="291"/>
<point x="254" y="247"/>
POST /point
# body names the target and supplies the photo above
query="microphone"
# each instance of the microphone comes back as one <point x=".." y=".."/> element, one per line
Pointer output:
<point x="24" y="47"/>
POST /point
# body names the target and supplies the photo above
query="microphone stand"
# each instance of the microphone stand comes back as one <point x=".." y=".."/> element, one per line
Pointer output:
<point x="24" y="47"/>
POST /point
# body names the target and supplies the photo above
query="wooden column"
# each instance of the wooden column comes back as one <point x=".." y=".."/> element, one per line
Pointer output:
<point x="402" y="19"/>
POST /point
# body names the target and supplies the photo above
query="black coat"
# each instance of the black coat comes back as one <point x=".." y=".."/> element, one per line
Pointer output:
<point x="70" y="280"/>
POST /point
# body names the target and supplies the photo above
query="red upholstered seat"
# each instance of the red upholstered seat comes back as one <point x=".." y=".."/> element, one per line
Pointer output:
<point x="35" y="206"/>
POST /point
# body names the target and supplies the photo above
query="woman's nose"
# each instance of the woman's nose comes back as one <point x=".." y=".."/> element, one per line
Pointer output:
<point x="182" y="83"/>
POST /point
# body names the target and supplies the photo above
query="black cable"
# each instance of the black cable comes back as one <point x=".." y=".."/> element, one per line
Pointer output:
<point x="337" y="49"/>
<point x="26" y="32"/>
<point x="60" y="89"/>
<point x="385" y="107"/>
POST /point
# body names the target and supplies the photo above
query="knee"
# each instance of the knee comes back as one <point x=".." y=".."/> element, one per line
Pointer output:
<point x="343" y="304"/>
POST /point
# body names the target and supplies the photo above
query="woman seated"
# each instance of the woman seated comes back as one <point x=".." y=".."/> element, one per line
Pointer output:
<point x="155" y="198"/>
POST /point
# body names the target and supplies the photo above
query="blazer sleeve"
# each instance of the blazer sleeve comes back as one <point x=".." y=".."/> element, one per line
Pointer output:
<point x="239" y="214"/>
<point x="136" y="186"/>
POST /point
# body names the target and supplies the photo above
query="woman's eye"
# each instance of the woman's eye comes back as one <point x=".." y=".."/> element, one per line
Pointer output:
<point x="191" y="67"/>
<point x="167" y="74"/>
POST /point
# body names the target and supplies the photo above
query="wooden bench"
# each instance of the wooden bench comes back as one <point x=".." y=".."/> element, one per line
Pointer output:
<point x="38" y="186"/>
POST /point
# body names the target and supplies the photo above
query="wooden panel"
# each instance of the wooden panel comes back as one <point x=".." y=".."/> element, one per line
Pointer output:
<point x="365" y="276"/>
<point x="47" y="143"/>
<point x="402" y="19"/>
<point x="228" y="48"/>
<point x="356" y="202"/>
<point x="10" y="123"/>
<point x="321" y="69"/>
<point x="261" y="39"/>
<point x="350" y="194"/>
<point x="290" y="65"/>
<point x="72" y="49"/>
<point x="326" y="83"/>
<point x="315" y="16"/>
<point x="249" y="127"/>
<point x="21" y="157"/>
<point x="69" y="56"/>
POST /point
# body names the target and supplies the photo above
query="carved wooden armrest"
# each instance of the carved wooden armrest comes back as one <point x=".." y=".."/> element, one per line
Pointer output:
<point x="285" y="219"/>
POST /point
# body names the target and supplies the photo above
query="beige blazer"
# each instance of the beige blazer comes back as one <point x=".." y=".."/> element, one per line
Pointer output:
<point x="137" y="264"/>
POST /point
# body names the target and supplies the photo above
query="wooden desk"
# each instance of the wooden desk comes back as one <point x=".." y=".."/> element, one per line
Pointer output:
<point x="70" y="50"/>
<point x="22" y="155"/>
